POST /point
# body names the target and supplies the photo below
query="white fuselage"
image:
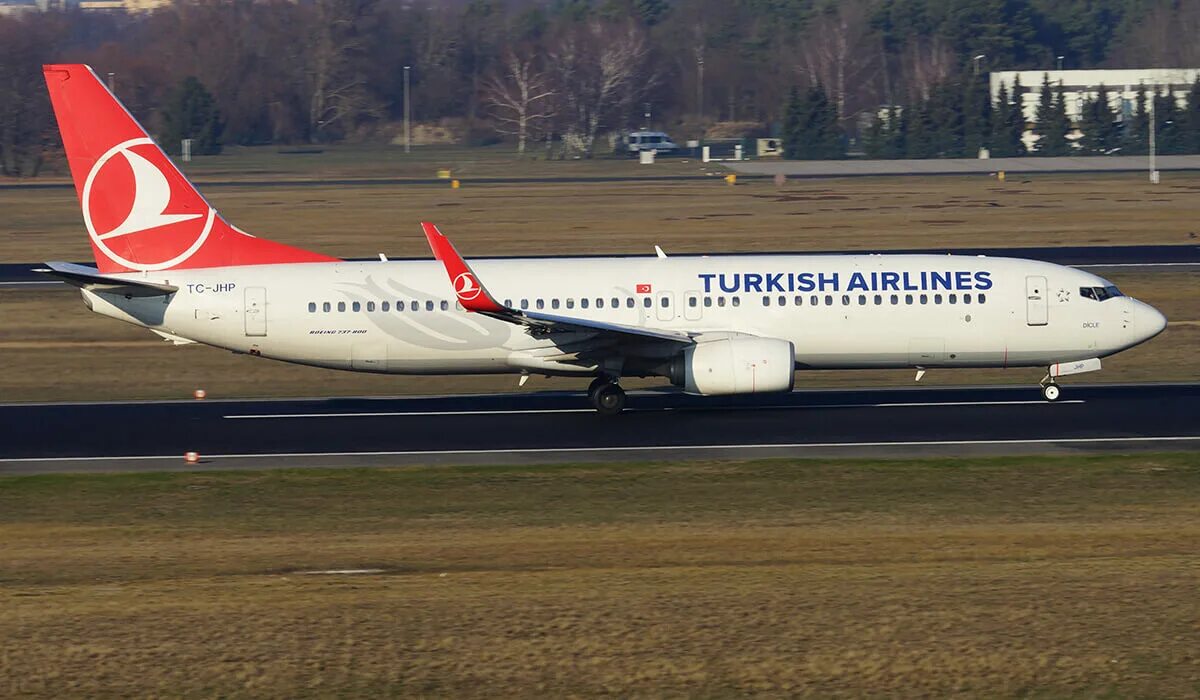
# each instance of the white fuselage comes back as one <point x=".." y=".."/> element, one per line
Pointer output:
<point x="839" y="311"/>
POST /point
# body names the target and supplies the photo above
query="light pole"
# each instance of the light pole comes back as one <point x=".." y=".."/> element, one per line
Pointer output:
<point x="1060" y="61"/>
<point x="977" y="59"/>
<point x="699" y="85"/>
<point x="1153" y="164"/>
<point x="407" y="114"/>
<point x="112" y="81"/>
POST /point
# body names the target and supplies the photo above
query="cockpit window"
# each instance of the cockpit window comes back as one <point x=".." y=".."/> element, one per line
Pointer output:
<point x="1100" y="293"/>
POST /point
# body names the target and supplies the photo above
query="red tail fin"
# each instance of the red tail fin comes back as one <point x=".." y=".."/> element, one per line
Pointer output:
<point x="140" y="211"/>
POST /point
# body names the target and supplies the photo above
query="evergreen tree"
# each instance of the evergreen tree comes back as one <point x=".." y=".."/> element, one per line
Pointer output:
<point x="919" y="141"/>
<point x="792" y="120"/>
<point x="875" y="139"/>
<point x="1166" y="123"/>
<point x="1136" y="129"/>
<point x="1190" y="120"/>
<point x="1098" y="124"/>
<point x="898" y="138"/>
<point x="1015" y="127"/>
<point x="1051" y="138"/>
<point x="1062" y="123"/>
<point x="191" y="113"/>
<point x="946" y="121"/>
<point x="977" y="116"/>
<point x="1001" y="113"/>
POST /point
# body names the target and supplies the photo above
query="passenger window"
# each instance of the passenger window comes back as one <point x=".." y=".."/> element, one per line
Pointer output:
<point x="953" y="298"/>
<point x="646" y="302"/>
<point x="554" y="303"/>
<point x="629" y="302"/>
<point x="599" y="303"/>
<point x="325" y="307"/>
<point x="782" y="300"/>
<point x="862" y="299"/>
<point x="541" y="304"/>
<point x="570" y="303"/>
<point x="356" y="307"/>
<point x="828" y="300"/>
<point x="736" y="301"/>
<point x="583" y="303"/>
<point x="878" y="299"/>
<point x="414" y="305"/>
<point x="445" y="305"/>
<point x="524" y="303"/>
<point x="385" y="306"/>
<point x="341" y="307"/>
<point x="720" y="301"/>
<point x="815" y="300"/>
<point x="799" y="300"/>
<point x="766" y="301"/>
<point x="664" y="302"/>
<point x="924" y="298"/>
<point x="429" y="305"/>
<point x="370" y="306"/>
<point x="895" y="299"/>
<point x="845" y="300"/>
<point x="982" y="298"/>
<point x="707" y="302"/>
<point x="616" y="303"/>
<point x="692" y="302"/>
<point x="966" y="298"/>
<point x="508" y="303"/>
<point x="312" y="307"/>
<point x="908" y="299"/>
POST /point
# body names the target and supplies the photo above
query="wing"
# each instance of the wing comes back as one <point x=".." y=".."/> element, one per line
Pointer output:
<point x="475" y="297"/>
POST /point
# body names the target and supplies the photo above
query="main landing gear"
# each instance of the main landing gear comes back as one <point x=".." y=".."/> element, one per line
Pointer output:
<point x="606" y="396"/>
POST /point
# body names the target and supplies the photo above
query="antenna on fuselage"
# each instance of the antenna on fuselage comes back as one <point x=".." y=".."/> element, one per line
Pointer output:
<point x="659" y="252"/>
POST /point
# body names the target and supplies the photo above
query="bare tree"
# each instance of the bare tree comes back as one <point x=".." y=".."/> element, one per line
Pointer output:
<point x="337" y="83"/>
<point x="838" y="51"/>
<point x="600" y="70"/>
<point x="519" y="98"/>
<point x="925" y="64"/>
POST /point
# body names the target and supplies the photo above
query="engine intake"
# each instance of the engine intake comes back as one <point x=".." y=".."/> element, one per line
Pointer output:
<point x="738" y="365"/>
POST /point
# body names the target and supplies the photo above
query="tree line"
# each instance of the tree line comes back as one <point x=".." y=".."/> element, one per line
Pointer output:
<point x="565" y="73"/>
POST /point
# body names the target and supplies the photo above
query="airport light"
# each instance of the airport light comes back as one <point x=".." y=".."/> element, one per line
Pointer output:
<point x="976" y="60"/>
<point x="407" y="114"/>
<point x="1060" y="61"/>
<point x="1153" y="164"/>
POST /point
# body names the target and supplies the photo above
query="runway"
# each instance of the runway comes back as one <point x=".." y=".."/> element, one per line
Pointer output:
<point x="15" y="276"/>
<point x="560" y="427"/>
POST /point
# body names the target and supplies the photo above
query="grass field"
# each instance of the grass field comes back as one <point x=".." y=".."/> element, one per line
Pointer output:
<point x="1030" y="577"/>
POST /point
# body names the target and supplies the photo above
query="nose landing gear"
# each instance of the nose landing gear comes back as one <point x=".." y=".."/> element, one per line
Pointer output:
<point x="1050" y="391"/>
<point x="606" y="396"/>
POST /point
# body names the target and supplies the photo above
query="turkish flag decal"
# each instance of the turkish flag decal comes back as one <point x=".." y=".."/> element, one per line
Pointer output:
<point x="643" y="289"/>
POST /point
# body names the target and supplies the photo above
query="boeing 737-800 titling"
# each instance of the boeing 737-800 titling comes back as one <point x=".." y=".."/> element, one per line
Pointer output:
<point x="167" y="261"/>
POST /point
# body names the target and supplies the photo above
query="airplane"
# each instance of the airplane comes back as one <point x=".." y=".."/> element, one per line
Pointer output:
<point x="166" y="260"/>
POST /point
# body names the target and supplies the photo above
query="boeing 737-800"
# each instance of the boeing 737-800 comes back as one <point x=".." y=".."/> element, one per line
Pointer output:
<point x="167" y="261"/>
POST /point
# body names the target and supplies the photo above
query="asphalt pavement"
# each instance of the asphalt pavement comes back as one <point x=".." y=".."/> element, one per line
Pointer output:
<point x="558" y="427"/>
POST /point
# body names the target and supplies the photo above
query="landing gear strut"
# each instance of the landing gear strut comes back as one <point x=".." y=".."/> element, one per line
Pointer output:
<point x="607" y="396"/>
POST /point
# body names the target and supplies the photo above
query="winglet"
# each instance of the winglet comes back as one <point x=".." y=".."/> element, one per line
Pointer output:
<point x="471" y="294"/>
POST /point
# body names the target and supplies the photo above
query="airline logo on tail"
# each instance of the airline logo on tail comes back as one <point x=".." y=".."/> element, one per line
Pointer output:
<point x="466" y="287"/>
<point x="166" y="239"/>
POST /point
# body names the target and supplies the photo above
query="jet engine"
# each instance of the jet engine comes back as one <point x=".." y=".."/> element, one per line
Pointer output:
<point x="737" y="365"/>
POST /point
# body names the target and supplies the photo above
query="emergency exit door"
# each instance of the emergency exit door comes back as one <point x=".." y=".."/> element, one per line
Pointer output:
<point x="256" y="311"/>
<point x="1037" y="302"/>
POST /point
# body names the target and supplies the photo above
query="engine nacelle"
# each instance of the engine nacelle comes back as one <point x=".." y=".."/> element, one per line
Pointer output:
<point x="738" y="365"/>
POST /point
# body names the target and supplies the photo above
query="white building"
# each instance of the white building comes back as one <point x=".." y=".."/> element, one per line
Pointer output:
<point x="1081" y="85"/>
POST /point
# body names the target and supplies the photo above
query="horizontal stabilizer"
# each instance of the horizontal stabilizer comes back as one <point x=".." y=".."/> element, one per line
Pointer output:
<point x="89" y="278"/>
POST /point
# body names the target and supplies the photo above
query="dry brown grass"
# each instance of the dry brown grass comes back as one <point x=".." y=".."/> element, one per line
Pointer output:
<point x="631" y="217"/>
<point x="52" y="348"/>
<point x="1064" y="577"/>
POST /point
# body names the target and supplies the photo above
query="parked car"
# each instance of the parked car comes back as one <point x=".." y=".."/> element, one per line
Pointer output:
<point x="637" y="141"/>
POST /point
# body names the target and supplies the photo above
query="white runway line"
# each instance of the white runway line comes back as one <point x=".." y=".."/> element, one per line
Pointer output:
<point x="637" y="448"/>
<point x="391" y="414"/>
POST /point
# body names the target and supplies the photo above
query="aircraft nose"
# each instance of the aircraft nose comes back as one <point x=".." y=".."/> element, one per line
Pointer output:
<point x="1150" y="321"/>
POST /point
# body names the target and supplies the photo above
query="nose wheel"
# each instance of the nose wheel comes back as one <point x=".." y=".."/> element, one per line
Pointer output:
<point x="1050" y="391"/>
<point x="606" y="396"/>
